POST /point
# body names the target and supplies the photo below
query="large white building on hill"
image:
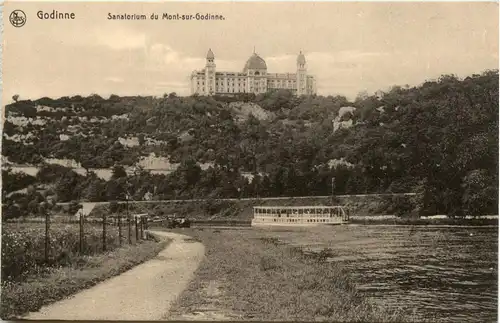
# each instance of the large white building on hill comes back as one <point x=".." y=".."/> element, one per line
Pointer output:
<point x="253" y="79"/>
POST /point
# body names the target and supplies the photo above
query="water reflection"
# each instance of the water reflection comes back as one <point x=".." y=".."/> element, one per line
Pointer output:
<point x="445" y="274"/>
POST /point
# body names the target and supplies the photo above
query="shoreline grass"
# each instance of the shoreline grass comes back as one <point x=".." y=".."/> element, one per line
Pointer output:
<point x="19" y="298"/>
<point x="248" y="276"/>
<point x="425" y="222"/>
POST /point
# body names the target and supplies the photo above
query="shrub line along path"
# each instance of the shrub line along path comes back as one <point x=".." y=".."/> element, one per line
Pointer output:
<point x="145" y="292"/>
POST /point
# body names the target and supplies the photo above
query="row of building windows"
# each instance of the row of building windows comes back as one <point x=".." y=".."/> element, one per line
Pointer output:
<point x="242" y="90"/>
<point x="299" y="215"/>
<point x="293" y="220"/>
<point x="243" y="86"/>
<point x="324" y="210"/>
<point x="271" y="82"/>
<point x="237" y="88"/>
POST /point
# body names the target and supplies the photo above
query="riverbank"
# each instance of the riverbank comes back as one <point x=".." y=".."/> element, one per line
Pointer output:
<point x="375" y="220"/>
<point x="237" y="210"/>
<point x="58" y="283"/>
<point x="246" y="275"/>
<point x="423" y="221"/>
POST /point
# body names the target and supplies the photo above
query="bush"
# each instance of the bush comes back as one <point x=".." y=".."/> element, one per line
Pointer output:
<point x="403" y="206"/>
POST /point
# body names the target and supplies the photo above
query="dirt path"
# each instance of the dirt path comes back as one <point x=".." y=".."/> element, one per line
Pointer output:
<point x="145" y="292"/>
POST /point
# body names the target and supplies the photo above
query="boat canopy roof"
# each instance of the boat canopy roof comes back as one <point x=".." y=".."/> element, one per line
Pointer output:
<point x="299" y="207"/>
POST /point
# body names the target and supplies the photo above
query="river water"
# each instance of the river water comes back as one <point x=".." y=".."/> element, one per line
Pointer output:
<point x="439" y="273"/>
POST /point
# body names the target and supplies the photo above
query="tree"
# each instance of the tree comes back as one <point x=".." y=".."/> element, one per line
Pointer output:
<point x="116" y="189"/>
<point x="118" y="172"/>
<point x="113" y="207"/>
<point x="15" y="97"/>
<point x="141" y="139"/>
<point x="480" y="193"/>
<point x="73" y="207"/>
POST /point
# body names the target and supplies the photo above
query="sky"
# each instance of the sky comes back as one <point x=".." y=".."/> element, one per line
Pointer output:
<point x="350" y="47"/>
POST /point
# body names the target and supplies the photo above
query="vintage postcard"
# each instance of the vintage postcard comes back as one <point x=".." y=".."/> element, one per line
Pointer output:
<point x="250" y="161"/>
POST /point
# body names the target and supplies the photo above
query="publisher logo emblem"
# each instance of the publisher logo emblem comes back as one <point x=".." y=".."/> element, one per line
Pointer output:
<point x="17" y="18"/>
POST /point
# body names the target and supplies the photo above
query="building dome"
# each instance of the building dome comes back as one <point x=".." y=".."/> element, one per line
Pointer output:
<point x="210" y="54"/>
<point x="255" y="62"/>
<point x="301" y="59"/>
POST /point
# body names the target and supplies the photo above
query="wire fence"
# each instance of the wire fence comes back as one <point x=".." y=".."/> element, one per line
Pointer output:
<point x="51" y="241"/>
<point x="131" y="225"/>
<point x="85" y="235"/>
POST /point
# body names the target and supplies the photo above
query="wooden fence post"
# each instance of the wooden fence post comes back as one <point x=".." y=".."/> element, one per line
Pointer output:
<point x="129" y="230"/>
<point x="136" y="229"/>
<point x="142" y="227"/>
<point x="104" y="232"/>
<point x="81" y="232"/>
<point x="47" y="237"/>
<point x="120" y="228"/>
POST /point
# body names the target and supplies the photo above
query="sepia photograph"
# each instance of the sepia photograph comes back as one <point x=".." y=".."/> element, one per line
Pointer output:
<point x="250" y="161"/>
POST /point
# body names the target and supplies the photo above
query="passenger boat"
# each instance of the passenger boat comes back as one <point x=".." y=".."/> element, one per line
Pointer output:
<point x="299" y="215"/>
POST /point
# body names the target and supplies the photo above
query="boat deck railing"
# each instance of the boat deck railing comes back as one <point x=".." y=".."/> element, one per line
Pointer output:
<point x="302" y="212"/>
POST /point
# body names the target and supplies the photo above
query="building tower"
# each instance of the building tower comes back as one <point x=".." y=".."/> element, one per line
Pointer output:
<point x="256" y="72"/>
<point x="301" y="74"/>
<point x="210" y="74"/>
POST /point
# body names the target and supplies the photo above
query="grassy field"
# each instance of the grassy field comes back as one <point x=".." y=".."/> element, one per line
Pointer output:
<point x="247" y="275"/>
<point x="28" y="282"/>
